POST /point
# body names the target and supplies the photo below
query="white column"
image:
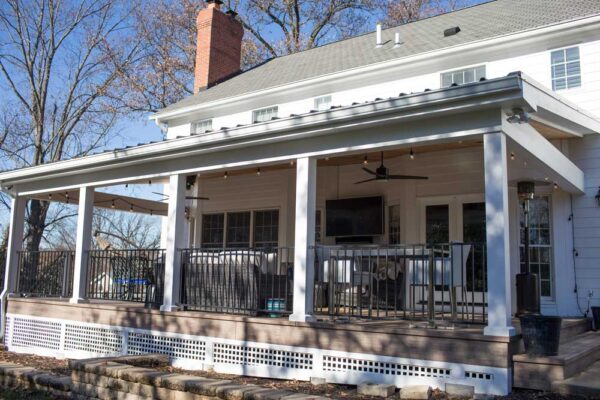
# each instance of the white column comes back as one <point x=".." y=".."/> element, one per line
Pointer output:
<point x="497" y="233"/>
<point x="304" y="266"/>
<point x="83" y="243"/>
<point x="175" y="241"/>
<point x="15" y="244"/>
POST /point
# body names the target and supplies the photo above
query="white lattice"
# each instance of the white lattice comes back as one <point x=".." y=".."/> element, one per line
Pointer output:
<point x="173" y="346"/>
<point x="478" y="375"/>
<point x="255" y="356"/>
<point x="7" y="330"/>
<point x="93" y="339"/>
<point x="348" y="364"/>
<point x="36" y="333"/>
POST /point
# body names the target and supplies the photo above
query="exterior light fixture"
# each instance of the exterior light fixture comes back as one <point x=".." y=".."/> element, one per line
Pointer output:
<point x="598" y="197"/>
<point x="412" y="154"/>
<point x="365" y="160"/>
<point x="225" y="175"/>
<point x="258" y="171"/>
<point x="518" y="116"/>
<point x="292" y="163"/>
<point x="555" y="185"/>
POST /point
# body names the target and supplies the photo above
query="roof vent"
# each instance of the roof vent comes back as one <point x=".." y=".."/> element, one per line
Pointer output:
<point x="379" y="36"/>
<point x="397" y="40"/>
<point x="451" y="31"/>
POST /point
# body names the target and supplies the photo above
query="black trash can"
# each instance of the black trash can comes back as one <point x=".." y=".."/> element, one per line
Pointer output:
<point x="596" y="317"/>
<point x="541" y="334"/>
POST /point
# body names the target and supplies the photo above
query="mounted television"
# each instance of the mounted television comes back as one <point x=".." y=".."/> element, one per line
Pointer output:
<point x="361" y="216"/>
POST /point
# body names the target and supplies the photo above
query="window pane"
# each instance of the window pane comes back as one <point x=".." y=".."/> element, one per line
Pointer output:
<point x="461" y="76"/>
<point x="540" y="239"/>
<point x="202" y="126"/>
<point x="238" y="229"/>
<point x="559" y="84"/>
<point x="212" y="230"/>
<point x="265" y="114"/>
<point x="558" y="56"/>
<point x="558" y="71"/>
<point x="394" y="224"/>
<point x="322" y="103"/>
<point x="572" y="54"/>
<point x="469" y="75"/>
<point x="574" y="81"/>
<point x="437" y="225"/>
<point x="266" y="228"/>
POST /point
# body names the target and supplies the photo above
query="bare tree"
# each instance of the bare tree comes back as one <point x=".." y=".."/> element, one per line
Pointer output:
<point x="404" y="11"/>
<point x="59" y="63"/>
<point x="167" y="29"/>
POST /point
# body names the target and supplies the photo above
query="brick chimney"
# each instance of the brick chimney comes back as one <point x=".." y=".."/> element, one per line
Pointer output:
<point x="219" y="46"/>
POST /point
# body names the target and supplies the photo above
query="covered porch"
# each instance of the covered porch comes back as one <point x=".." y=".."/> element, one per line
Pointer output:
<point x="443" y="255"/>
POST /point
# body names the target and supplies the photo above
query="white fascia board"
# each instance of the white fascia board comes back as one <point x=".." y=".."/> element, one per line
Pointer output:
<point x="561" y="110"/>
<point x="538" y="146"/>
<point x="411" y="107"/>
<point x="385" y="65"/>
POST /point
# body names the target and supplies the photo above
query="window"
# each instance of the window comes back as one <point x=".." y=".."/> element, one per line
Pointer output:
<point x="266" y="228"/>
<point x="394" y="224"/>
<point x="566" y="69"/>
<point x="238" y="229"/>
<point x="540" y="243"/>
<point x="437" y="224"/>
<point x="212" y="230"/>
<point x="467" y="75"/>
<point x="322" y="103"/>
<point x="318" y="226"/>
<point x="202" y="126"/>
<point x="264" y="114"/>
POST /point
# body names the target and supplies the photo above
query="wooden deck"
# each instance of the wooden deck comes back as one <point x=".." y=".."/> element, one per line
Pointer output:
<point x="464" y="344"/>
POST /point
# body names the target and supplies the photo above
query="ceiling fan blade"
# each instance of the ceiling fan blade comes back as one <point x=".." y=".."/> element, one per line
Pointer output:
<point x="161" y="194"/>
<point x="366" y="180"/>
<point x="196" y="198"/>
<point x="407" y="177"/>
<point x="367" y="170"/>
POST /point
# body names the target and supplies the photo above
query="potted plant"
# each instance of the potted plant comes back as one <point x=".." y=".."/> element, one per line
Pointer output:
<point x="596" y="317"/>
<point x="541" y="334"/>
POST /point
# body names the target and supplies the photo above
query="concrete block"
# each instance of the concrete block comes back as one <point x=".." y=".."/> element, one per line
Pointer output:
<point x="233" y="391"/>
<point x="141" y="375"/>
<point x="417" y="392"/>
<point x="315" y="380"/>
<point x="456" y="391"/>
<point x="377" y="390"/>
<point x="179" y="381"/>
<point x="266" y="394"/>
<point x="205" y="387"/>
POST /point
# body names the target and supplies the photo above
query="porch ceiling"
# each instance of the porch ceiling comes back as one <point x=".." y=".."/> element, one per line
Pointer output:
<point x="419" y="119"/>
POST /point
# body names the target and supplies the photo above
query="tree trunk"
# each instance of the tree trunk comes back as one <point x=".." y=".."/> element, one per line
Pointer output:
<point x="38" y="210"/>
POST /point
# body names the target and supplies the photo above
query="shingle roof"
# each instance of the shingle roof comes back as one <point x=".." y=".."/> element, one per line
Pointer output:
<point x="485" y="21"/>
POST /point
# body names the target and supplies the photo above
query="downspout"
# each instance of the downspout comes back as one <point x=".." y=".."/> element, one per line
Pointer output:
<point x="575" y="254"/>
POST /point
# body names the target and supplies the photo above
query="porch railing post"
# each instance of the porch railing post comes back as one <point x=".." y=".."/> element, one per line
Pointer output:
<point x="83" y="243"/>
<point x="499" y="322"/>
<point x="304" y="266"/>
<point x="15" y="243"/>
<point x="175" y="241"/>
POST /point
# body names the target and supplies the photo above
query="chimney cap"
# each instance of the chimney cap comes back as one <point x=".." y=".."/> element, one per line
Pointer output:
<point x="231" y="13"/>
<point x="214" y="3"/>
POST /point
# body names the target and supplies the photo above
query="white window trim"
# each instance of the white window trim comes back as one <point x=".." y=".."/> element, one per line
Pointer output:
<point x="254" y="112"/>
<point x="580" y="67"/>
<point x="484" y="64"/>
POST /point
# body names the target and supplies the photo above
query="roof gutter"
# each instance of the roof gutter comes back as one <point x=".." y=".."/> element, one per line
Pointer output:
<point x="471" y="46"/>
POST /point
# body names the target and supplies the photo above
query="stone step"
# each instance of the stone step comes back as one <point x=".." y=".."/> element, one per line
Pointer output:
<point x="575" y="355"/>
<point x="586" y="383"/>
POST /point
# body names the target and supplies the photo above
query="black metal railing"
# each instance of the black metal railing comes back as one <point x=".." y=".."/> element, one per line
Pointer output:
<point x="47" y="273"/>
<point x="431" y="282"/>
<point x="126" y="275"/>
<point x="238" y="281"/>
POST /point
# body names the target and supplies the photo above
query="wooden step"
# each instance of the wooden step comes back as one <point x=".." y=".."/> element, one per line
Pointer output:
<point x="586" y="383"/>
<point x="570" y="328"/>
<point x="574" y="356"/>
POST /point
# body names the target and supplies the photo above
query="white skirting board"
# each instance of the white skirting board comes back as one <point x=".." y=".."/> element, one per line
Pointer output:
<point x="71" y="339"/>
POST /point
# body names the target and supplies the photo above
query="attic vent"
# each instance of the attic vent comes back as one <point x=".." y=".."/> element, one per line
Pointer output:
<point x="451" y="31"/>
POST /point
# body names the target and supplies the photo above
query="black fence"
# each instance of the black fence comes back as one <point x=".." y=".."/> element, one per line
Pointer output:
<point x="440" y="282"/>
<point x="47" y="273"/>
<point x="238" y="281"/>
<point x="126" y="275"/>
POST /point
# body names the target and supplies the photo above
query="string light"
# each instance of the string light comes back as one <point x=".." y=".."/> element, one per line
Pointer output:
<point x="366" y="160"/>
<point x="112" y="204"/>
<point x="412" y="154"/>
<point x="292" y="163"/>
<point x="49" y="196"/>
<point x="131" y="208"/>
<point x="149" y="181"/>
<point x="225" y="175"/>
<point x="258" y="171"/>
<point x="67" y="197"/>
<point x="151" y="213"/>
<point x="555" y="185"/>
<point x="126" y="185"/>
<point x="512" y="155"/>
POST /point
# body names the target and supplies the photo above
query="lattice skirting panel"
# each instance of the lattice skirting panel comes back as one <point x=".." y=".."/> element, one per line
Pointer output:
<point x="72" y="339"/>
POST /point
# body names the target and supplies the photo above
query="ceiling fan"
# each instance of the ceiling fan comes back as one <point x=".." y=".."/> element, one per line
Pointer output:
<point x="382" y="173"/>
<point x="166" y="196"/>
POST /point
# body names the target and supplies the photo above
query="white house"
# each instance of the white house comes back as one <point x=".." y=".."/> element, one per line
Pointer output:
<point x="266" y="216"/>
